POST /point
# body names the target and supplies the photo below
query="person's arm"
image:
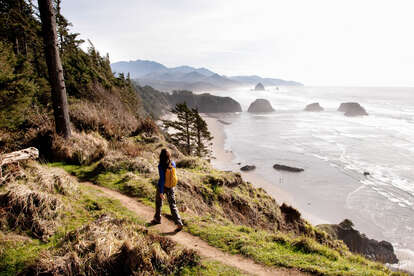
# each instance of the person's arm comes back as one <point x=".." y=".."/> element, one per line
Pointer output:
<point x="161" y="181"/>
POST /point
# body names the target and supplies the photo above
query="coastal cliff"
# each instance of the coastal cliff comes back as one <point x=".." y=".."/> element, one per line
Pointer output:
<point x="205" y="103"/>
<point x="381" y="251"/>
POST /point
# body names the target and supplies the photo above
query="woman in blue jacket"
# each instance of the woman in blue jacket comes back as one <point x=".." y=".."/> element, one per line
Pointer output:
<point x="165" y="162"/>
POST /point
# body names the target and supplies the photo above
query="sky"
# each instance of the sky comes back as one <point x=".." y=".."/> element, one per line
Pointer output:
<point x="316" y="42"/>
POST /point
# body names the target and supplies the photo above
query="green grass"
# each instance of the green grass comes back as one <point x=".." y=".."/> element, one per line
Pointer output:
<point x="281" y="250"/>
<point x="211" y="268"/>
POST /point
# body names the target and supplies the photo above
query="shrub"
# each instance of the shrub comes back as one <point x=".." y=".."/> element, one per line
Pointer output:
<point x="147" y="126"/>
<point x="108" y="117"/>
<point x="192" y="163"/>
<point x="115" y="162"/>
<point x="81" y="148"/>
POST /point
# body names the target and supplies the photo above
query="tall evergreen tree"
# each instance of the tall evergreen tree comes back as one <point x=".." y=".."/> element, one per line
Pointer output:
<point x="182" y="136"/>
<point x="55" y="69"/>
<point x="202" y="135"/>
<point x="191" y="134"/>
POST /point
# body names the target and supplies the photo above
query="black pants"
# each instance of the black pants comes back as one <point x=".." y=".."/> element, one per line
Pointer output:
<point x="171" y="201"/>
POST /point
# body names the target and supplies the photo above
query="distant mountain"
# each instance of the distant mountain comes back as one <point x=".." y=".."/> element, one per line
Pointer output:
<point x="188" y="69"/>
<point x="138" y="68"/>
<point x="187" y="78"/>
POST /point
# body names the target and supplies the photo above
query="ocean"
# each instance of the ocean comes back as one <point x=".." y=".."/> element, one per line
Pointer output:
<point x="335" y="151"/>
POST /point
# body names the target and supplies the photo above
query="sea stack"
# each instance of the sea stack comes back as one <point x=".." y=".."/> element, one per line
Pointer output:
<point x="260" y="106"/>
<point x="352" y="109"/>
<point x="314" y="107"/>
<point x="259" y="87"/>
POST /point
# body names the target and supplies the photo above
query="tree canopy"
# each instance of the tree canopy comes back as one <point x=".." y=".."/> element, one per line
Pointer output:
<point x="190" y="131"/>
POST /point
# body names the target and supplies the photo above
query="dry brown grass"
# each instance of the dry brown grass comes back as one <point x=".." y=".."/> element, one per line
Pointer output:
<point x="111" y="246"/>
<point x="29" y="210"/>
<point x="115" y="161"/>
<point x="148" y="127"/>
<point x="107" y="116"/>
<point x="128" y="147"/>
<point x="51" y="180"/>
<point x="81" y="148"/>
<point x="32" y="203"/>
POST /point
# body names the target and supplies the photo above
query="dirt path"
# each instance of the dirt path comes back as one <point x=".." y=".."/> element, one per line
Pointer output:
<point x="192" y="242"/>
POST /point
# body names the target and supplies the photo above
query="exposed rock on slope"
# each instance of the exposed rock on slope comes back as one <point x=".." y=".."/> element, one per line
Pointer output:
<point x="314" y="107"/>
<point x="260" y="106"/>
<point x="352" y="109"/>
<point x="259" y="87"/>
<point x="382" y="251"/>
<point x="206" y="103"/>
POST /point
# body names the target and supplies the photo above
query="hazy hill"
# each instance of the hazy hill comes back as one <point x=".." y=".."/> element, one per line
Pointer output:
<point x="253" y="80"/>
<point x="138" y="68"/>
<point x="187" y="77"/>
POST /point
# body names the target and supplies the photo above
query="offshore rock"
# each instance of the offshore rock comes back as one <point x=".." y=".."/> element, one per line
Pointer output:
<point x="287" y="168"/>
<point x="314" y="107"/>
<point x="260" y="106"/>
<point x="352" y="109"/>
<point x="259" y="87"/>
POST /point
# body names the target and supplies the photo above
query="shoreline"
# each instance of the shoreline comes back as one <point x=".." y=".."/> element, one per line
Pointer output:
<point x="224" y="160"/>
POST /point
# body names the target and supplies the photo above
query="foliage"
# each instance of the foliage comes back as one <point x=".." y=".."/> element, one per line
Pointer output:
<point x="190" y="131"/>
<point x="156" y="103"/>
<point x="90" y="83"/>
<point x="202" y="135"/>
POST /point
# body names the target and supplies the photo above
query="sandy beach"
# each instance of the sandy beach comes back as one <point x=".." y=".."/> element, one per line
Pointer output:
<point x="224" y="160"/>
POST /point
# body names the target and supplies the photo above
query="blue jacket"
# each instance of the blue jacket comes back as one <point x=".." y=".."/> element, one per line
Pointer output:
<point x="161" y="181"/>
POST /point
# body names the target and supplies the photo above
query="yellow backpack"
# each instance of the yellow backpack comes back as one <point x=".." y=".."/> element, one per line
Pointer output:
<point x="171" y="178"/>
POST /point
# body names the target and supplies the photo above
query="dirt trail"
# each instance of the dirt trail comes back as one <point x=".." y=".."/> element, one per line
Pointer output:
<point x="192" y="242"/>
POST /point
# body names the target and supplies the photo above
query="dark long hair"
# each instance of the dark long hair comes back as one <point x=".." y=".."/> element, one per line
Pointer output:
<point x="165" y="158"/>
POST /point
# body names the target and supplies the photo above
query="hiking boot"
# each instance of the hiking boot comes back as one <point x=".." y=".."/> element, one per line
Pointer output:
<point x="154" y="222"/>
<point x="179" y="228"/>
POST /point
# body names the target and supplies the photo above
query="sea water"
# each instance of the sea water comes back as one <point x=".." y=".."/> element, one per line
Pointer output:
<point x="335" y="151"/>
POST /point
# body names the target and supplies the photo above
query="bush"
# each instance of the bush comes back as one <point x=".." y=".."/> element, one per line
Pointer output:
<point x="109" y="118"/>
<point x="192" y="163"/>
<point x="80" y="149"/>
<point x="116" y="162"/>
<point x="146" y="126"/>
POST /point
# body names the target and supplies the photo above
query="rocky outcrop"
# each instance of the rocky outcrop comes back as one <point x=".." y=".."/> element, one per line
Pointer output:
<point x="382" y="251"/>
<point x="352" y="109"/>
<point x="287" y="168"/>
<point x="259" y="87"/>
<point x="260" y="106"/>
<point x="248" y="168"/>
<point x="314" y="107"/>
<point x="205" y="103"/>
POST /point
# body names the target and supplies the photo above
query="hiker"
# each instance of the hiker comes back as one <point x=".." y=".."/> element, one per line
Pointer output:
<point x="166" y="164"/>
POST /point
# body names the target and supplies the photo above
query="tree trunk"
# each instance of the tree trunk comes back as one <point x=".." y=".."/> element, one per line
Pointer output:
<point x="54" y="66"/>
